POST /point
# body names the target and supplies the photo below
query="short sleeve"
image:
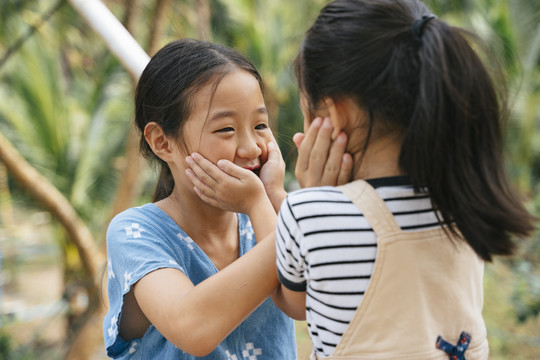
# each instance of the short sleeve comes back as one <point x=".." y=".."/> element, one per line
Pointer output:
<point x="290" y="260"/>
<point x="137" y="244"/>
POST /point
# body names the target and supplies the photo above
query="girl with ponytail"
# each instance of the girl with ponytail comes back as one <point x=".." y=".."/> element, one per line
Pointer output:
<point x="390" y="266"/>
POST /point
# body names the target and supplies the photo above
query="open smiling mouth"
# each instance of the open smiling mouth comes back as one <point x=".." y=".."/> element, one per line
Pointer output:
<point x="257" y="170"/>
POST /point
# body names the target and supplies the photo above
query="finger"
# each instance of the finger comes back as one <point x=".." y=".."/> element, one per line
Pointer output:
<point x="333" y="163"/>
<point x="211" y="172"/>
<point x="345" y="173"/>
<point x="302" y="163"/>
<point x="297" y="139"/>
<point x="194" y="162"/>
<point x="200" y="187"/>
<point x="319" y="153"/>
<point x="207" y="199"/>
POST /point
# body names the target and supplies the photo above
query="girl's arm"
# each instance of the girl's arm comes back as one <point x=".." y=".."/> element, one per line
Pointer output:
<point x="292" y="303"/>
<point x="197" y="318"/>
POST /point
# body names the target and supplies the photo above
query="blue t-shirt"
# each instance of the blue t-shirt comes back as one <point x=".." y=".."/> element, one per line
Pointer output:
<point x="141" y="240"/>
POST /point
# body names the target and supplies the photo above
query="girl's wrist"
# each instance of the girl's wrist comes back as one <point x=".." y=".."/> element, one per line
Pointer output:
<point x="256" y="204"/>
<point x="276" y="198"/>
<point x="276" y="193"/>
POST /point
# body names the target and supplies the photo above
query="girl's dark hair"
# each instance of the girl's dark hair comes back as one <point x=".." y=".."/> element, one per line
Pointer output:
<point x="165" y="89"/>
<point x="430" y="83"/>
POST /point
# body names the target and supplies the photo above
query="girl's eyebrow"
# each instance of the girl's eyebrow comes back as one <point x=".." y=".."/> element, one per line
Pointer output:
<point x="222" y="114"/>
<point x="231" y="113"/>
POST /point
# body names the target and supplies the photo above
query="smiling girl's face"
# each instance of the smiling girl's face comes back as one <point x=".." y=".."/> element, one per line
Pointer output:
<point x="230" y="122"/>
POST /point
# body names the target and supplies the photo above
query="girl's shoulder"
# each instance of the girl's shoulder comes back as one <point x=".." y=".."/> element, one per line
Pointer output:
<point x="147" y="222"/>
<point x="314" y="194"/>
<point x="148" y="213"/>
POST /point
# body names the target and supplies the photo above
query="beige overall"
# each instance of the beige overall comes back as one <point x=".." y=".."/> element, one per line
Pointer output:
<point x="423" y="285"/>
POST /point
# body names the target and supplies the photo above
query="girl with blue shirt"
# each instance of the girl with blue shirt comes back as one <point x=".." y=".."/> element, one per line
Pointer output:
<point x="186" y="279"/>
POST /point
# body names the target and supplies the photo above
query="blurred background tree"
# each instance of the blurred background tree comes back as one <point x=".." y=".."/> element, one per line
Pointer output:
<point x="66" y="107"/>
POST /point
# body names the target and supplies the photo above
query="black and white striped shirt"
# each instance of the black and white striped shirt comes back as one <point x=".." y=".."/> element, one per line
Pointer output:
<point x="327" y="248"/>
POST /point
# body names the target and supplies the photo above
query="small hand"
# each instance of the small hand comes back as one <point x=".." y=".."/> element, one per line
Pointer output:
<point x="322" y="161"/>
<point x="225" y="185"/>
<point x="273" y="175"/>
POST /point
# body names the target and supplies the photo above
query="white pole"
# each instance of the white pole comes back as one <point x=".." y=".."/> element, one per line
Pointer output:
<point x="118" y="39"/>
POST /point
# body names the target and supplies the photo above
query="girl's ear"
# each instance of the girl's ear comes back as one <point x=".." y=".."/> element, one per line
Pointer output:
<point x="158" y="141"/>
<point x="339" y="112"/>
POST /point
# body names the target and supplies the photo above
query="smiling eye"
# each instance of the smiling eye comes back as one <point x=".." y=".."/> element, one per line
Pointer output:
<point x="262" y="126"/>
<point x="226" y="129"/>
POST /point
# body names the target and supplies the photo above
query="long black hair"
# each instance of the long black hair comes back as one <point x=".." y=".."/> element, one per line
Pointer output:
<point x="424" y="78"/>
<point x="165" y="89"/>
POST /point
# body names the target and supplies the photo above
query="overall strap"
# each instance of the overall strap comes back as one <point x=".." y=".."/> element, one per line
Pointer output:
<point x="364" y="196"/>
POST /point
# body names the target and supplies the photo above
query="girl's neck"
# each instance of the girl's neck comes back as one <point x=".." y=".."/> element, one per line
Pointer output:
<point x="202" y="222"/>
<point x="215" y="231"/>
<point x="381" y="159"/>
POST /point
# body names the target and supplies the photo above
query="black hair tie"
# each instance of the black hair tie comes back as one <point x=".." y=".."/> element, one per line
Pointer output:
<point x="418" y="25"/>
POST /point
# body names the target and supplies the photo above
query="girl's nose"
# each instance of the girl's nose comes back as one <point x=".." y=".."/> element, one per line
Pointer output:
<point x="248" y="148"/>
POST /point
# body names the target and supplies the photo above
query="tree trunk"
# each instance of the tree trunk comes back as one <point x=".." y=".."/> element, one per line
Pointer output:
<point x="203" y="16"/>
<point x="92" y="259"/>
<point x="6" y="209"/>
<point x="158" y="24"/>
<point x="133" y="10"/>
<point x="54" y="202"/>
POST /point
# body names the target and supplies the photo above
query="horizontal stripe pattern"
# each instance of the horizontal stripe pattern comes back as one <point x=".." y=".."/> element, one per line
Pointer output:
<point x="326" y="247"/>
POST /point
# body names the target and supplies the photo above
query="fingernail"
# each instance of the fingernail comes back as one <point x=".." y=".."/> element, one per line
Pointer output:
<point x="220" y="163"/>
<point x="327" y="122"/>
<point x="316" y="121"/>
<point x="342" y="137"/>
<point x="270" y="144"/>
<point x="188" y="159"/>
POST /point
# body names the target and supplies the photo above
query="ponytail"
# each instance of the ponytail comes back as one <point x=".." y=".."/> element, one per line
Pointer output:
<point x="453" y="145"/>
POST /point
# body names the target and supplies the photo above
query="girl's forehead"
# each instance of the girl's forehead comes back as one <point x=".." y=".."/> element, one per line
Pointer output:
<point x="233" y="87"/>
<point x="236" y="92"/>
<point x="237" y="86"/>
